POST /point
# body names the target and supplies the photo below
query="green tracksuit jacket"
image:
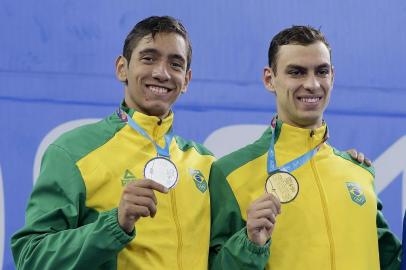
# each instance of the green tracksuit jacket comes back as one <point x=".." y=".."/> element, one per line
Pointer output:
<point x="71" y="218"/>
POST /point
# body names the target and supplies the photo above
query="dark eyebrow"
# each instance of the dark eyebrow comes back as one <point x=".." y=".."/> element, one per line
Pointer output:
<point x="295" y="67"/>
<point x="326" y="65"/>
<point x="177" y="57"/>
<point x="156" y="52"/>
<point x="149" y="50"/>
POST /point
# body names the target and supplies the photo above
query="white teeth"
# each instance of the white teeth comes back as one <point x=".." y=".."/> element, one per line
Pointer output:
<point x="158" y="90"/>
<point x="310" y="100"/>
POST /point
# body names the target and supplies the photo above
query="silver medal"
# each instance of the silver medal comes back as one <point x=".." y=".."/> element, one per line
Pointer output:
<point x="162" y="171"/>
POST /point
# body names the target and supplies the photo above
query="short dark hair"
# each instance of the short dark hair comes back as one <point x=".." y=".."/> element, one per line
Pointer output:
<point x="154" y="25"/>
<point x="297" y="35"/>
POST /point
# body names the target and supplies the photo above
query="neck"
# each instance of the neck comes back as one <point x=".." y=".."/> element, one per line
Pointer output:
<point x="302" y="124"/>
<point x="136" y="108"/>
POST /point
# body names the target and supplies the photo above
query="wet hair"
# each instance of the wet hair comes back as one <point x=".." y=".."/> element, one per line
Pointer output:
<point x="296" y="35"/>
<point x="154" y="25"/>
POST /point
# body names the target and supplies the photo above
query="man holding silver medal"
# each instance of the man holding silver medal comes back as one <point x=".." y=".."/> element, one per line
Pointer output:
<point x="329" y="216"/>
<point x="126" y="192"/>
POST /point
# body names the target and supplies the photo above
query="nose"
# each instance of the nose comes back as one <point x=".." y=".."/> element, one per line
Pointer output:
<point x="311" y="83"/>
<point x="160" y="72"/>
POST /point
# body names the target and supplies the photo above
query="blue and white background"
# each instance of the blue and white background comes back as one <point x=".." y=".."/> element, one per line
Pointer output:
<point x="57" y="72"/>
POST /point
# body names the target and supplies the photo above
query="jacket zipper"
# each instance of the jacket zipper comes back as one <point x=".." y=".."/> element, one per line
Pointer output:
<point x="178" y="228"/>
<point x="175" y="214"/>
<point x="325" y="209"/>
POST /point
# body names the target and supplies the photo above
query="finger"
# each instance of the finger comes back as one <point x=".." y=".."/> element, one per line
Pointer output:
<point x="367" y="162"/>
<point x="132" y="212"/>
<point x="267" y="209"/>
<point x="146" y="202"/>
<point x="270" y="230"/>
<point x="277" y="203"/>
<point x="353" y="153"/>
<point x="255" y="206"/>
<point x="130" y="193"/>
<point x="139" y="210"/>
<point x="263" y="197"/>
<point x="263" y="213"/>
<point x="151" y="184"/>
<point x="142" y="206"/>
<point x="259" y="224"/>
<point x="266" y="201"/>
<point x="360" y="157"/>
<point x="271" y="204"/>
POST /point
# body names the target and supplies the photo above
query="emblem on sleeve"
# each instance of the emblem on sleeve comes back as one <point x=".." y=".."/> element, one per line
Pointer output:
<point x="356" y="193"/>
<point x="199" y="179"/>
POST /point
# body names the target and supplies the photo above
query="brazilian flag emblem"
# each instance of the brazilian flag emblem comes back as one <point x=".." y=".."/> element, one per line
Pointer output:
<point x="356" y="193"/>
<point x="199" y="179"/>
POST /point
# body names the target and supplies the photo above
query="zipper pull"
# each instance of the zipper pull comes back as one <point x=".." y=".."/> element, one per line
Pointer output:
<point x="311" y="133"/>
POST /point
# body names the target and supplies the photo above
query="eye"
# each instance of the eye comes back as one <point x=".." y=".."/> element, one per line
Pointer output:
<point x="323" y="72"/>
<point x="295" y="72"/>
<point x="177" y="65"/>
<point x="146" y="59"/>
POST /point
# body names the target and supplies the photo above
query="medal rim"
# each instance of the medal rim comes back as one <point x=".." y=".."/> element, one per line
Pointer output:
<point x="171" y="162"/>
<point x="282" y="172"/>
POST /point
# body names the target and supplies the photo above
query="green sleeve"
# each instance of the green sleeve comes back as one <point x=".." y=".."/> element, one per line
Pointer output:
<point x="390" y="249"/>
<point x="60" y="232"/>
<point x="230" y="247"/>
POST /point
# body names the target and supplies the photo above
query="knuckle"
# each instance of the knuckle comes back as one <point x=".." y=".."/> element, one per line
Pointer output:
<point x="144" y="212"/>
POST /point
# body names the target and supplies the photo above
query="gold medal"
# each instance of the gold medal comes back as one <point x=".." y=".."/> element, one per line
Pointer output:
<point x="283" y="185"/>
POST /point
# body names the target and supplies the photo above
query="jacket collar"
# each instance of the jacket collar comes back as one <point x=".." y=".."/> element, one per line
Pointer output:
<point x="153" y="125"/>
<point x="299" y="139"/>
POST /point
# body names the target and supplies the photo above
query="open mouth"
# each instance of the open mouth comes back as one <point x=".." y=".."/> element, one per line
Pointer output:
<point x="309" y="100"/>
<point x="158" y="90"/>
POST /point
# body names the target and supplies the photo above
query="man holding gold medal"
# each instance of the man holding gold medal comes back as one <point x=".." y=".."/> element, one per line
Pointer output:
<point x="329" y="217"/>
<point x="126" y="192"/>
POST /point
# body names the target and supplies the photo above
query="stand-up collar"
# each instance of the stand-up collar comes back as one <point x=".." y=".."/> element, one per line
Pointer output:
<point x="299" y="138"/>
<point x="153" y="125"/>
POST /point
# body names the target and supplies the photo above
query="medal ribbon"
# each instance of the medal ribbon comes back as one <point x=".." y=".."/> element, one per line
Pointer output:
<point x="294" y="164"/>
<point x="168" y="136"/>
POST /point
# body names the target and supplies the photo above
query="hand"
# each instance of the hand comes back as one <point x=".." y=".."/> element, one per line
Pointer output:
<point x="261" y="217"/>
<point x="358" y="156"/>
<point x="138" y="200"/>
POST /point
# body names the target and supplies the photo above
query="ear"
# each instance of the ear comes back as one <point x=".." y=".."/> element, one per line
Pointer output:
<point x="121" y="68"/>
<point x="188" y="77"/>
<point x="332" y="76"/>
<point x="268" y="78"/>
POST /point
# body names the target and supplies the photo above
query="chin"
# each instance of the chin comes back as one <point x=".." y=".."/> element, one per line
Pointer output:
<point x="312" y="121"/>
<point x="159" y="112"/>
<point x="306" y="118"/>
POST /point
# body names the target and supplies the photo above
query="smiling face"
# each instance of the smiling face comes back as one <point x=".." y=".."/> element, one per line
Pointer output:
<point x="302" y="84"/>
<point x="156" y="74"/>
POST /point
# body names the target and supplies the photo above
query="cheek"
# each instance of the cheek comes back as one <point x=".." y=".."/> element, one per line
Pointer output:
<point x="289" y="93"/>
<point x="180" y="80"/>
<point x="328" y="87"/>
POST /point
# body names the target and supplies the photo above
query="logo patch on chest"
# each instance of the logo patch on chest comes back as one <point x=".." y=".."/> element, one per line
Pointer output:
<point x="356" y="193"/>
<point x="127" y="178"/>
<point x="199" y="179"/>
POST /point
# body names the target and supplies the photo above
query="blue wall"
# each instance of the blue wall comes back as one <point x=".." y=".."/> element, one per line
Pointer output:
<point x="57" y="65"/>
